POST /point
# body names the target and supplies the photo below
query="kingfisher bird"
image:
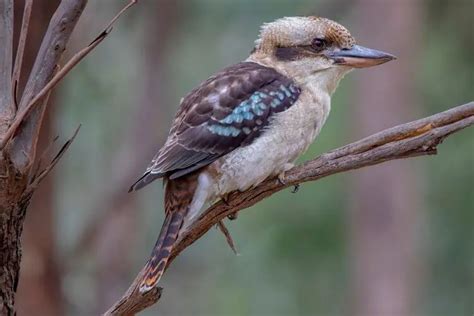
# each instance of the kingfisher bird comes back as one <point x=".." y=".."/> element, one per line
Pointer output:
<point x="250" y="121"/>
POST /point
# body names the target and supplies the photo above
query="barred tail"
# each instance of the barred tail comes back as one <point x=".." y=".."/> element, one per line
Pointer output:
<point x="178" y="196"/>
<point x="161" y="252"/>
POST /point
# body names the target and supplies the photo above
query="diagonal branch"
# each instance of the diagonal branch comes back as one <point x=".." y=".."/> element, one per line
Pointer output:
<point x="46" y="73"/>
<point x="42" y="173"/>
<point x="69" y="66"/>
<point x="52" y="47"/>
<point x="25" y="22"/>
<point x="6" y="52"/>
<point x="412" y="139"/>
<point x="54" y="44"/>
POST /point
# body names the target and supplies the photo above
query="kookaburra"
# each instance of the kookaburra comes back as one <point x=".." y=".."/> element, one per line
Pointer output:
<point x="250" y="121"/>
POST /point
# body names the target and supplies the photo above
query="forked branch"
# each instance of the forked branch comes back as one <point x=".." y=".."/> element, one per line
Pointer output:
<point x="55" y="40"/>
<point x="412" y="139"/>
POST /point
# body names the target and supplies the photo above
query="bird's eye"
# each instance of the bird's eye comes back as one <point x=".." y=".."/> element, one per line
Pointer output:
<point x="318" y="44"/>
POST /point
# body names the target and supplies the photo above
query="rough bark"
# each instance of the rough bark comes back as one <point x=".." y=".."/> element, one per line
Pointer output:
<point x="39" y="287"/>
<point x="13" y="206"/>
<point x="412" y="139"/>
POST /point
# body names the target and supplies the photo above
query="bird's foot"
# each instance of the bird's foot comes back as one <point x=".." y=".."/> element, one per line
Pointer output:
<point x="295" y="188"/>
<point x="233" y="216"/>
<point x="282" y="178"/>
<point x="228" y="237"/>
<point x="282" y="175"/>
<point x="225" y="200"/>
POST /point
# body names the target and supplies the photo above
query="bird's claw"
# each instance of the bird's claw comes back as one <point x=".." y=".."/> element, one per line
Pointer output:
<point x="282" y="178"/>
<point x="233" y="216"/>
<point x="282" y="175"/>
<point x="225" y="199"/>
<point x="295" y="188"/>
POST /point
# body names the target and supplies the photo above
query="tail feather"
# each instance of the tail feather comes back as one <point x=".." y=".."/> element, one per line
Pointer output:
<point x="178" y="196"/>
<point x="156" y="265"/>
<point x="144" y="180"/>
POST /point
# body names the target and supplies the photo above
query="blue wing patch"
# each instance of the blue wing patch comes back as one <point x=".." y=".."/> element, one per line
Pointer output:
<point x="249" y="113"/>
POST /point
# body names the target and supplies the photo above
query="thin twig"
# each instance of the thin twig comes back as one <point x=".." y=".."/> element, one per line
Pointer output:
<point x="60" y="75"/>
<point x="412" y="139"/>
<point x="25" y="22"/>
<point x="37" y="179"/>
<point x="108" y="28"/>
<point x="6" y="52"/>
<point x="42" y="157"/>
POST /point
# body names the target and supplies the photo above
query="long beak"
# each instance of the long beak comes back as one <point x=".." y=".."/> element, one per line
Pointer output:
<point x="360" y="57"/>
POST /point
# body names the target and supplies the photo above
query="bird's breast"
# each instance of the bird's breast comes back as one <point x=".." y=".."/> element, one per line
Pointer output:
<point x="287" y="136"/>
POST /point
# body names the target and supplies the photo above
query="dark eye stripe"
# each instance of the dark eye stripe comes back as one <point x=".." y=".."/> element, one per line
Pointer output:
<point x="292" y="53"/>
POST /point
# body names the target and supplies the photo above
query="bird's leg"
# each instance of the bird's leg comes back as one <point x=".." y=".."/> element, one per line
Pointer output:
<point x="282" y="177"/>
<point x="228" y="237"/>
<point x="225" y="200"/>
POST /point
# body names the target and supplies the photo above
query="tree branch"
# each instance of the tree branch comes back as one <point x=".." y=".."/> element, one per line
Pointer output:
<point x="20" y="123"/>
<point x="25" y="22"/>
<point x="52" y="47"/>
<point x="55" y="41"/>
<point x="412" y="139"/>
<point x="6" y="51"/>
<point x="42" y="173"/>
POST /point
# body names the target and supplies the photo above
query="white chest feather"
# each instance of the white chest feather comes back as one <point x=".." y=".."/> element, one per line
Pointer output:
<point x="288" y="135"/>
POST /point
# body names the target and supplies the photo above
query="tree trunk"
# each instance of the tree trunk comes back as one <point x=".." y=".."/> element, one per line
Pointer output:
<point x="13" y="206"/>
<point x="39" y="286"/>
<point x="19" y="132"/>
<point x="385" y="200"/>
<point x="40" y="280"/>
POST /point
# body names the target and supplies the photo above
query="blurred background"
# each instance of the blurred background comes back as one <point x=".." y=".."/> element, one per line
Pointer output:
<point x="391" y="240"/>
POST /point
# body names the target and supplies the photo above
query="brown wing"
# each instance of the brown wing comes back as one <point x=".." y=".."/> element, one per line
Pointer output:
<point x="226" y="111"/>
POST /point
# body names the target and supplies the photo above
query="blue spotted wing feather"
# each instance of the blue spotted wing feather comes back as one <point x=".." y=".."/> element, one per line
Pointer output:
<point x="227" y="111"/>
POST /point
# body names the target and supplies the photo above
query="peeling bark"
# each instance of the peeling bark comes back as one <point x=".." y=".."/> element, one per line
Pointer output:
<point x="13" y="205"/>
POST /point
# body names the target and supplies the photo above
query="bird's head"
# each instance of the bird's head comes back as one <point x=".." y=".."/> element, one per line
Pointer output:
<point x="307" y="46"/>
